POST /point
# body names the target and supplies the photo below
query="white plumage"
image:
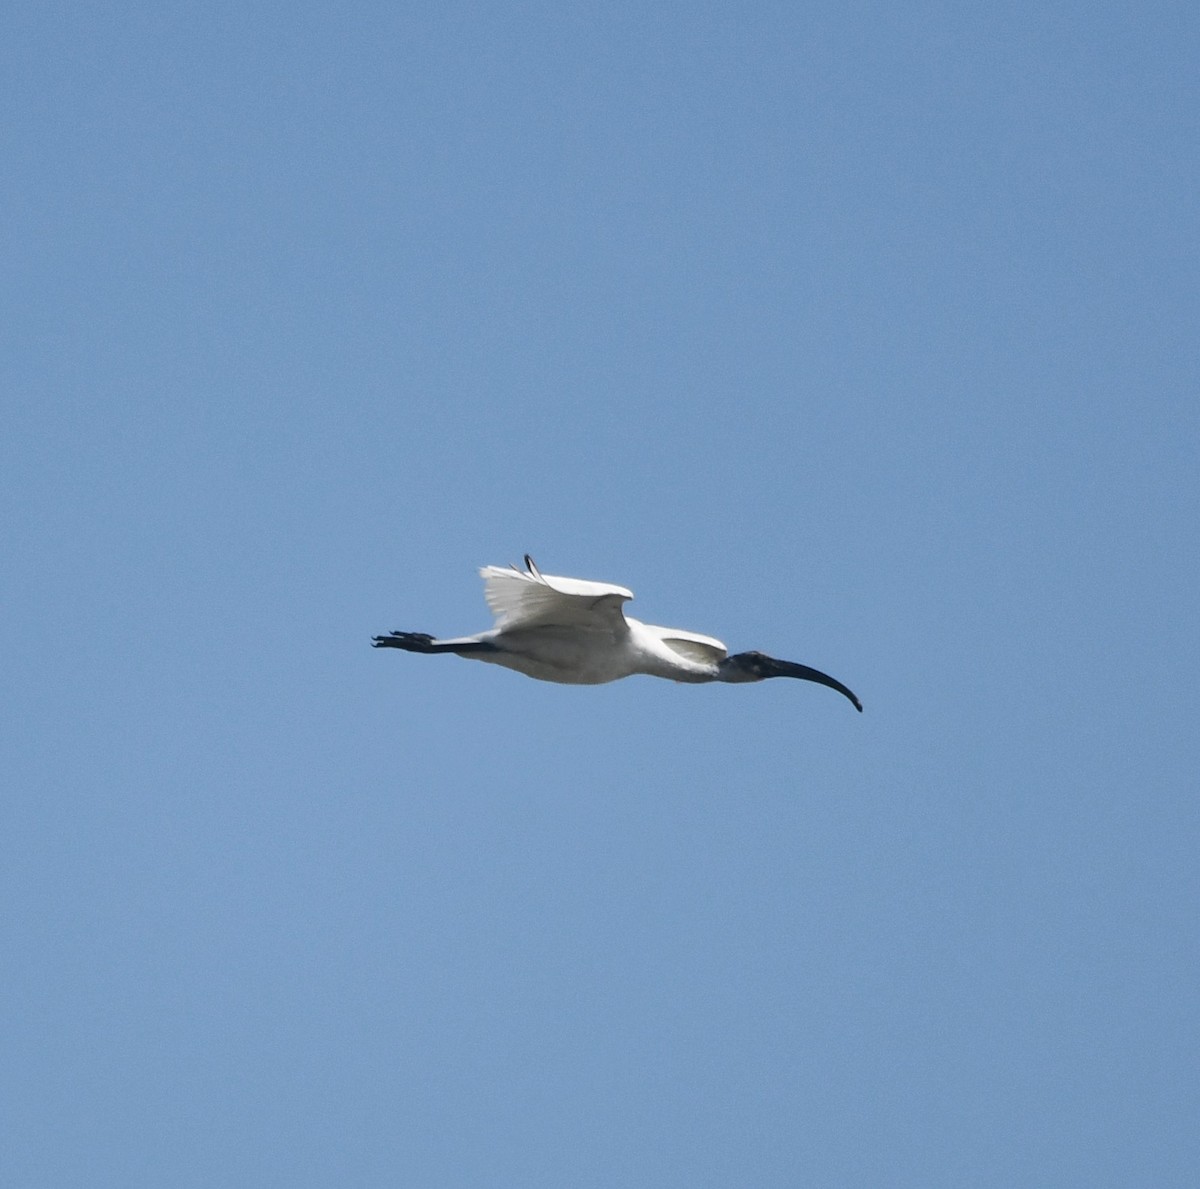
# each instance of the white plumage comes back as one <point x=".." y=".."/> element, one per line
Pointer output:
<point x="576" y="632"/>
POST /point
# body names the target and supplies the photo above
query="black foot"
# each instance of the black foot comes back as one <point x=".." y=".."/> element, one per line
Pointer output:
<point x="409" y="641"/>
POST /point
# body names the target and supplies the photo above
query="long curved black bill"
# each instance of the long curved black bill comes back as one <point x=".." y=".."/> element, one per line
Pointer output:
<point x="774" y="668"/>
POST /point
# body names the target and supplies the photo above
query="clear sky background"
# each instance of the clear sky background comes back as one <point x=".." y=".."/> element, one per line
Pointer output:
<point x="865" y="335"/>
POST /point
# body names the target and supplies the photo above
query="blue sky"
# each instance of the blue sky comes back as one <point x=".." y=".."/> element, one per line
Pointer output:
<point x="863" y="335"/>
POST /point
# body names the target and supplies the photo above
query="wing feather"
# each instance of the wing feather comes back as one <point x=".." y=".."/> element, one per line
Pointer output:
<point x="690" y="645"/>
<point x="528" y="598"/>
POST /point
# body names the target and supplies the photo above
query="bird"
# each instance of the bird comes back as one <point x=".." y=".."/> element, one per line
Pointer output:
<point x="576" y="632"/>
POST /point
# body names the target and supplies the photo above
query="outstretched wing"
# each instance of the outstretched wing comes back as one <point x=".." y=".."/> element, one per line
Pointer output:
<point x="690" y="645"/>
<point x="528" y="598"/>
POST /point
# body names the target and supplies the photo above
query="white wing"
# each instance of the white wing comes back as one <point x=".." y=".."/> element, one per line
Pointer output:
<point x="528" y="598"/>
<point x="690" y="645"/>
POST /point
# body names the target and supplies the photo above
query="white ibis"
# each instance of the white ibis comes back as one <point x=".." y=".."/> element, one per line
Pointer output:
<point x="577" y="633"/>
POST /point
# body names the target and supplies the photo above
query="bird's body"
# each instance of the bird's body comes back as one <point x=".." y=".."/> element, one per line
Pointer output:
<point x="576" y="632"/>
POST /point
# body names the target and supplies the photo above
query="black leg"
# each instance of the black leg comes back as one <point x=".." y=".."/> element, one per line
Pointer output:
<point x="423" y="642"/>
